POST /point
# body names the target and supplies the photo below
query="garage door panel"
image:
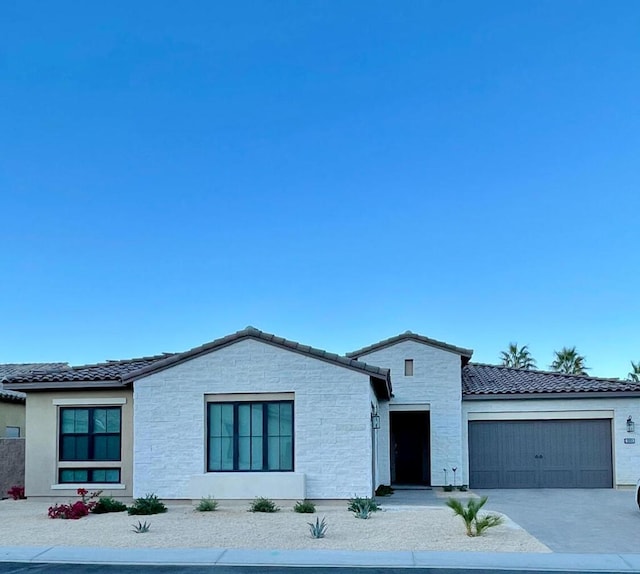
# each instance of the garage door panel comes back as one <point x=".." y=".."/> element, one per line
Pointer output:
<point x="540" y="454"/>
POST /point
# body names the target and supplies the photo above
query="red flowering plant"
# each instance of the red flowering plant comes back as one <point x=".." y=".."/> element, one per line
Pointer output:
<point x="16" y="492"/>
<point x="77" y="509"/>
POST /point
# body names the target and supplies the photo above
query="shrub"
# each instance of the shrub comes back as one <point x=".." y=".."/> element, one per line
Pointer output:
<point x="448" y="488"/>
<point x="141" y="527"/>
<point x="261" y="504"/>
<point x="474" y="524"/>
<point x="72" y="511"/>
<point x="207" y="504"/>
<point x="384" y="490"/>
<point x="108" y="504"/>
<point x="318" y="528"/>
<point x="360" y="503"/>
<point x="16" y="492"/>
<point x="463" y="488"/>
<point x="150" y="504"/>
<point x="75" y="510"/>
<point x="304" y="507"/>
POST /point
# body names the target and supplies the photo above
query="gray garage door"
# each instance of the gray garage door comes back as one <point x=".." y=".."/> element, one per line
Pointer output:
<point x="540" y="454"/>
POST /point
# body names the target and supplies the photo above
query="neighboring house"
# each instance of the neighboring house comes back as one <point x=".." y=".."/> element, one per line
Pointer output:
<point x="12" y="426"/>
<point x="12" y="409"/>
<point x="252" y="414"/>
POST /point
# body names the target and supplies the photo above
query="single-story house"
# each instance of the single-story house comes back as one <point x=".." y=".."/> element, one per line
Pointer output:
<point x="12" y="426"/>
<point x="252" y="414"/>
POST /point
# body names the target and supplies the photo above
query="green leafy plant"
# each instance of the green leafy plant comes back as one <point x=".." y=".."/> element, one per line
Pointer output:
<point x="463" y="488"/>
<point x="318" y="528"/>
<point x="141" y="527"/>
<point x="207" y="504"/>
<point x="108" y="504"/>
<point x="384" y="490"/>
<point x="261" y="504"/>
<point x="475" y="525"/>
<point x="358" y="502"/>
<point x="304" y="507"/>
<point x="362" y="506"/>
<point x="150" y="504"/>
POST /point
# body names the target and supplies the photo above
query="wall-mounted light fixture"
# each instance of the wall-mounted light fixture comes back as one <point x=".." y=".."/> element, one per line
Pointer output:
<point x="631" y="426"/>
<point x="375" y="418"/>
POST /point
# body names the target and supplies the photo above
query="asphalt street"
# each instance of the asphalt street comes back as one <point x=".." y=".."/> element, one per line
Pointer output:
<point x="30" y="568"/>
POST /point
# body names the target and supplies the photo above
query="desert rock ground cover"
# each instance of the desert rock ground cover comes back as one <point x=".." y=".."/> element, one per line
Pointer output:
<point x="25" y="523"/>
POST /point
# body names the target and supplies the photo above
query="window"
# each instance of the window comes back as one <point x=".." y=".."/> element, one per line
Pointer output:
<point x="90" y="433"/>
<point x="250" y="436"/>
<point x="12" y="432"/>
<point x="88" y="475"/>
<point x="408" y="367"/>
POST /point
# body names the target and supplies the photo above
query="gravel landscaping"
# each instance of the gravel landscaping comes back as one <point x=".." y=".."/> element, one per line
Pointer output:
<point x="25" y="523"/>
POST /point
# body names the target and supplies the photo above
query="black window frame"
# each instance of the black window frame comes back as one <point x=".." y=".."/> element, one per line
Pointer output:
<point x="90" y="472"/>
<point x="265" y="435"/>
<point x="90" y="434"/>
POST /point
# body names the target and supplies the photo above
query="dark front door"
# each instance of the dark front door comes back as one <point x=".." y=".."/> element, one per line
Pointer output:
<point x="540" y="454"/>
<point x="410" y="447"/>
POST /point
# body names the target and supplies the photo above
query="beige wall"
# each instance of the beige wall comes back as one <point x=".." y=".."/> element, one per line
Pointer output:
<point x="12" y="415"/>
<point x="41" y="473"/>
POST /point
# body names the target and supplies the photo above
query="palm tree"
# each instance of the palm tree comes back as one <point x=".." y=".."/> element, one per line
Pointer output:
<point x="569" y="361"/>
<point x="634" y="374"/>
<point x="518" y="358"/>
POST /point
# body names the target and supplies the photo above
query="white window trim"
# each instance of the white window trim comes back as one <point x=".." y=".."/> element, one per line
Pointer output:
<point x="91" y="401"/>
<point x="89" y="486"/>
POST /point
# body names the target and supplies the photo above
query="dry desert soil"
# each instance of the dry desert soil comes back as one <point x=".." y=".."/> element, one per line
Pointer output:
<point x="25" y="523"/>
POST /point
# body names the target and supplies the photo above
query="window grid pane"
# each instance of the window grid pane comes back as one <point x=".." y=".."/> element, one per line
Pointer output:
<point x="90" y="433"/>
<point x="236" y="440"/>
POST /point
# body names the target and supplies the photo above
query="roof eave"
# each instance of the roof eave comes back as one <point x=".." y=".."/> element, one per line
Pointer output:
<point x="547" y="395"/>
<point x="65" y="386"/>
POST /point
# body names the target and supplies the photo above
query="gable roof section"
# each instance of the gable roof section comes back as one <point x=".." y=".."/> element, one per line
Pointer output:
<point x="409" y="336"/>
<point x="480" y="381"/>
<point x="119" y="373"/>
<point x="380" y="378"/>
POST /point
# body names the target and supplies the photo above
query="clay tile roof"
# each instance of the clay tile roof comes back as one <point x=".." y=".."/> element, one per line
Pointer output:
<point x="480" y="380"/>
<point x="16" y="369"/>
<point x="409" y="336"/>
<point x="118" y="373"/>
<point x="62" y="372"/>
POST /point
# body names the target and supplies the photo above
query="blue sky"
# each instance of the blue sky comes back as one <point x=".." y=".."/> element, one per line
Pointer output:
<point x="332" y="172"/>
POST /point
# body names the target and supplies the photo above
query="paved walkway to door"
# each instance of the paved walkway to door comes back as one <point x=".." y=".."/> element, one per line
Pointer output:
<point x="566" y="520"/>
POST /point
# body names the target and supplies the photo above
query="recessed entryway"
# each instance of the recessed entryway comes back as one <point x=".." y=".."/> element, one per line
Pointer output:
<point x="540" y="454"/>
<point x="410" y="448"/>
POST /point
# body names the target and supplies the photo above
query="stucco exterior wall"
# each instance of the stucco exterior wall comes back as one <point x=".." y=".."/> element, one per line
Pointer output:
<point x="626" y="457"/>
<point x="41" y="464"/>
<point x="12" y="414"/>
<point x="436" y="384"/>
<point x="332" y="422"/>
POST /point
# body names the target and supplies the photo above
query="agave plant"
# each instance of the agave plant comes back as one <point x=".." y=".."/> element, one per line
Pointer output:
<point x="475" y="525"/>
<point x="318" y="528"/>
<point x="141" y="527"/>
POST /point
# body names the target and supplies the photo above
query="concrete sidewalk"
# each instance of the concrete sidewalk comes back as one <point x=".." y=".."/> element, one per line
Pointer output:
<point x="223" y="557"/>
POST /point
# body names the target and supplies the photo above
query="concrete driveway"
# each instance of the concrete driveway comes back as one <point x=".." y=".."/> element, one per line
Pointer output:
<point x="573" y="520"/>
<point x="566" y="520"/>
